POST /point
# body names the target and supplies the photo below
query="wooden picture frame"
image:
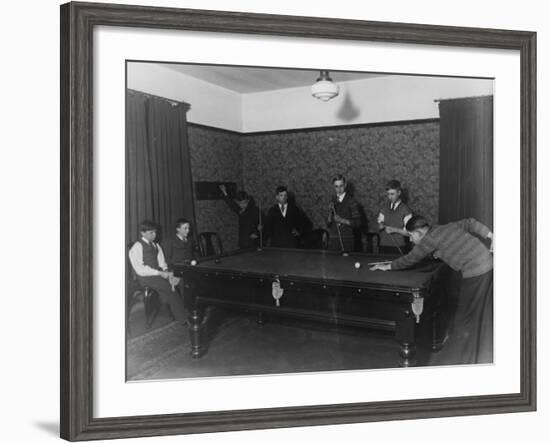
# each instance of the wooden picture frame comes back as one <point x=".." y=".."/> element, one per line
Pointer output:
<point x="77" y="23"/>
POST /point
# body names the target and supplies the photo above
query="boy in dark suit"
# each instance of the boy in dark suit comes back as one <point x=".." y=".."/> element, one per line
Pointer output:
<point x="284" y="222"/>
<point x="249" y="218"/>
<point x="343" y="217"/>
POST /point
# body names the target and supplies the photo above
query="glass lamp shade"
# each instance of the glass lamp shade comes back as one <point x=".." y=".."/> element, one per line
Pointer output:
<point x="324" y="89"/>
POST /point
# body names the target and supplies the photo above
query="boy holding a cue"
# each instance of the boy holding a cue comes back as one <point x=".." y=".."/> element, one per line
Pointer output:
<point x="249" y="217"/>
<point x="343" y="217"/>
<point x="459" y="245"/>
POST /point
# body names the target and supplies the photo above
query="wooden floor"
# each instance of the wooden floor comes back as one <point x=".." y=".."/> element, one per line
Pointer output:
<point x="239" y="346"/>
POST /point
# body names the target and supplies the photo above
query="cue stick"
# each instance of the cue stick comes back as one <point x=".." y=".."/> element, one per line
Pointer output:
<point x="395" y="244"/>
<point x="260" y="219"/>
<point x="338" y="229"/>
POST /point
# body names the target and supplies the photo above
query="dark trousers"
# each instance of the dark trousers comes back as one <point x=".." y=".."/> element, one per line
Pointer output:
<point x="335" y="245"/>
<point x="164" y="290"/>
<point x="471" y="337"/>
<point x="341" y="232"/>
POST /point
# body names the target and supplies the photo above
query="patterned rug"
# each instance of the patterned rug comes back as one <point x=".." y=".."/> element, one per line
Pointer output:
<point x="153" y="350"/>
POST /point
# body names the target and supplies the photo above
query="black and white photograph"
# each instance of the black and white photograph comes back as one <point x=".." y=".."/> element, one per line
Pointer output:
<point x="234" y="221"/>
<point x="285" y="220"/>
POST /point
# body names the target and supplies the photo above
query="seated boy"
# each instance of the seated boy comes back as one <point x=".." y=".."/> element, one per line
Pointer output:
<point x="458" y="244"/>
<point x="148" y="262"/>
<point x="181" y="246"/>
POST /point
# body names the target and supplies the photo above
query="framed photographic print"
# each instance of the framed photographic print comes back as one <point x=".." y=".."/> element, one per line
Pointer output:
<point x="274" y="221"/>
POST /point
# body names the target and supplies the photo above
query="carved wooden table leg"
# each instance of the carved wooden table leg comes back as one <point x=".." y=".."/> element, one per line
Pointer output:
<point x="407" y="355"/>
<point x="195" y="329"/>
<point x="405" y="335"/>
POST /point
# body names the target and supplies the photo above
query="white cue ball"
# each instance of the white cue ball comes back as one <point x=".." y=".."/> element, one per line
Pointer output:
<point x="193" y="262"/>
<point x="357" y="265"/>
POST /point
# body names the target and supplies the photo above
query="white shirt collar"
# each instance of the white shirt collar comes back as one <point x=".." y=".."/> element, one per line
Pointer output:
<point x="397" y="203"/>
<point x="341" y="197"/>
<point x="150" y="243"/>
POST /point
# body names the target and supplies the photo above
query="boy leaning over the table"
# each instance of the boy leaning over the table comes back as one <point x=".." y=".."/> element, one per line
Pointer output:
<point x="458" y="244"/>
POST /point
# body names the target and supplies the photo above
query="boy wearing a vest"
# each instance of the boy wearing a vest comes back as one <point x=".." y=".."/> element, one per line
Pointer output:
<point x="148" y="261"/>
<point x="392" y="219"/>
<point x="459" y="245"/>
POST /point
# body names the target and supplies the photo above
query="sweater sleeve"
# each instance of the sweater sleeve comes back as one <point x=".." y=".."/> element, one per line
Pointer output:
<point x="232" y="205"/>
<point x="407" y="215"/>
<point x="417" y="253"/>
<point x="472" y="226"/>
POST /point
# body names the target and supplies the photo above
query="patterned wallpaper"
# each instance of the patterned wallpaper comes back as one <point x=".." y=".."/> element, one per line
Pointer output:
<point x="305" y="161"/>
<point x="368" y="157"/>
<point x="216" y="156"/>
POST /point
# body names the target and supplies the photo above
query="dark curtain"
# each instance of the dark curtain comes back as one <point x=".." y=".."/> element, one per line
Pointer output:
<point x="158" y="175"/>
<point x="466" y="159"/>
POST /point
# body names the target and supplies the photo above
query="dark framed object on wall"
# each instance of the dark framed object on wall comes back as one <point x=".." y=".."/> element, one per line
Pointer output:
<point x="78" y="22"/>
<point x="211" y="190"/>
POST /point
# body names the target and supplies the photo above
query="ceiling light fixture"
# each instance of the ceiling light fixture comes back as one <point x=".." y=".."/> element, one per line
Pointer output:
<point x="324" y="88"/>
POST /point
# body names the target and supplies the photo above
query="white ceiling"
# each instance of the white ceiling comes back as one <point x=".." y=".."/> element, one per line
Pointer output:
<point x="245" y="79"/>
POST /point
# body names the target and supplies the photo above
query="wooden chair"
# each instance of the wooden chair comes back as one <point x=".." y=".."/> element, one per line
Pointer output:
<point x="210" y="244"/>
<point x="135" y="293"/>
<point x="371" y="242"/>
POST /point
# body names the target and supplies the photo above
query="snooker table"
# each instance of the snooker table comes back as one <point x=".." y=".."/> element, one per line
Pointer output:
<point x="318" y="285"/>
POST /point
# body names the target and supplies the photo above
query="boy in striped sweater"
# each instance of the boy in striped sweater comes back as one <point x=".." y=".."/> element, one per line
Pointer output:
<point x="458" y="244"/>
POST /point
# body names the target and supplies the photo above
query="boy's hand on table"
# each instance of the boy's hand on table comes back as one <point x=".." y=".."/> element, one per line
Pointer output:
<point x="381" y="267"/>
